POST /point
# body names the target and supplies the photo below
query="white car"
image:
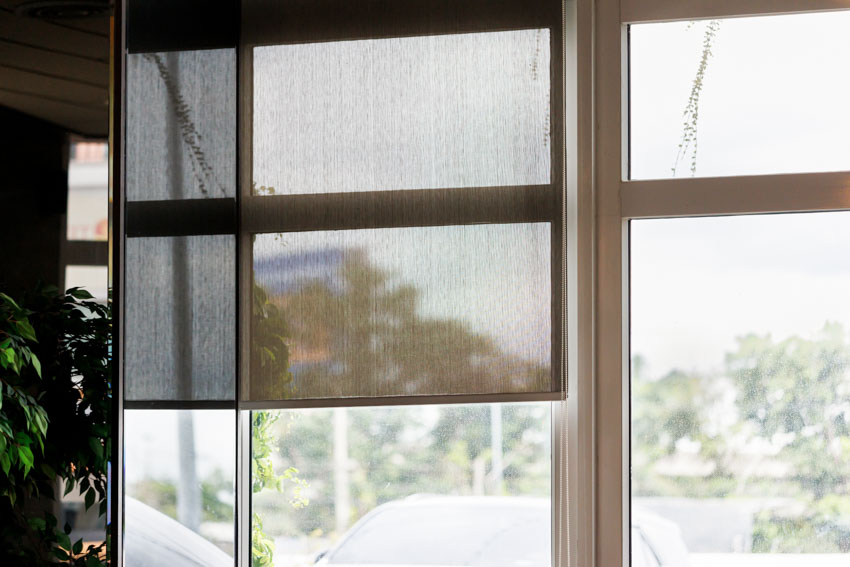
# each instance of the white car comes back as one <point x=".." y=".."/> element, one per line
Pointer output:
<point x="656" y="542"/>
<point x="153" y="539"/>
<point x="487" y="531"/>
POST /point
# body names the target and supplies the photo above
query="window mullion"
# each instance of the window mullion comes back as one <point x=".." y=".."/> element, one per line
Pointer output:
<point x="646" y="11"/>
<point x="735" y="195"/>
<point x="611" y="302"/>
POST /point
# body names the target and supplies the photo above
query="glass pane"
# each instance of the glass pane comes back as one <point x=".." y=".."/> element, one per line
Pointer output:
<point x="179" y="479"/>
<point x="181" y="125"/>
<point x="466" y="110"/>
<point x="87" y="525"/>
<point x="405" y="485"/>
<point x="179" y="316"/>
<point x="741" y="389"/>
<point x="743" y="96"/>
<point x="88" y="192"/>
<point x="402" y="311"/>
<point x="93" y="278"/>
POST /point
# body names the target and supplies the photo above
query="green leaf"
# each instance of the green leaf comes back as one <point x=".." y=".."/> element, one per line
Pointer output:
<point x="25" y="329"/>
<point x="37" y="523"/>
<point x="36" y="363"/>
<point x="69" y="486"/>
<point x="3" y="444"/>
<point x="93" y="561"/>
<point x="10" y="300"/>
<point x="96" y="446"/>
<point x="40" y="418"/>
<point x="25" y="454"/>
<point x="79" y="293"/>
<point x="63" y="540"/>
<point x="48" y="470"/>
<point x="89" y="498"/>
<point x="78" y="547"/>
<point x="5" y="463"/>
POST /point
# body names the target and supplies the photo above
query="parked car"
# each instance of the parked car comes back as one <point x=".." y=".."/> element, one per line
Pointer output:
<point x="656" y="542"/>
<point x="153" y="539"/>
<point x="483" y="531"/>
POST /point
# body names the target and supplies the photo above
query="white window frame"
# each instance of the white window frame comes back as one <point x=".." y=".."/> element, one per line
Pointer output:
<point x="600" y="203"/>
<point x="603" y="86"/>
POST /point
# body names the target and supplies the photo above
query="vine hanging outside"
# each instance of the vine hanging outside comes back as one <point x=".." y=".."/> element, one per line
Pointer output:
<point x="688" y="145"/>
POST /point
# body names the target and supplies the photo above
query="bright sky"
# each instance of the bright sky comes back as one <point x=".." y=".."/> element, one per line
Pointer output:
<point x="774" y="100"/>
<point x="699" y="283"/>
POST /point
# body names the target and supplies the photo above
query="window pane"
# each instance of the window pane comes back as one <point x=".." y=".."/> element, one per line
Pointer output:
<point x="406" y="485"/>
<point x="93" y="278"/>
<point x="179" y="479"/>
<point x="179" y="333"/>
<point x="402" y="311"/>
<point x="466" y="110"/>
<point x="88" y="192"/>
<point x="181" y="125"/>
<point x="741" y="388"/>
<point x="772" y="97"/>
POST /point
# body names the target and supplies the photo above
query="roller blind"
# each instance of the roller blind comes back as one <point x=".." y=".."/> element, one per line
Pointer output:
<point x="355" y="200"/>
<point x="402" y="199"/>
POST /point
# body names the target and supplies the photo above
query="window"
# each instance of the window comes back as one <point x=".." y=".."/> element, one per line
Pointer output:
<point x="343" y="272"/>
<point x="84" y="256"/>
<point x="84" y="249"/>
<point x="337" y="187"/>
<point x="739" y="384"/>
<point x="690" y="291"/>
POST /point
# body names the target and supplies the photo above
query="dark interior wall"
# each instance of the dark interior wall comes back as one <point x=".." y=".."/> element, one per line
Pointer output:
<point x="33" y="199"/>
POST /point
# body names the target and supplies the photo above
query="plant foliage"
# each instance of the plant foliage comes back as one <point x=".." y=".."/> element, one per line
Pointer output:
<point x="55" y="356"/>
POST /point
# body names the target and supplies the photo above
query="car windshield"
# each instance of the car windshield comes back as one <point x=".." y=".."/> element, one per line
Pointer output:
<point x="485" y="534"/>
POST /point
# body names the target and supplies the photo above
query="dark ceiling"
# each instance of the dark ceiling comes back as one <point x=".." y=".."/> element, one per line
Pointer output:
<point x="56" y="70"/>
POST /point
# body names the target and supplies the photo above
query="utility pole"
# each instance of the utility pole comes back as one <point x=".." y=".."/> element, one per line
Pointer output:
<point x="342" y="491"/>
<point x="497" y="474"/>
<point x="188" y="487"/>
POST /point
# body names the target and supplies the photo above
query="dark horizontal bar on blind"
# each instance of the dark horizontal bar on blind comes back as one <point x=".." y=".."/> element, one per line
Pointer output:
<point x="181" y="25"/>
<point x="266" y="22"/>
<point x="404" y="400"/>
<point x="390" y="209"/>
<point x="179" y="405"/>
<point x="86" y="253"/>
<point x="181" y="217"/>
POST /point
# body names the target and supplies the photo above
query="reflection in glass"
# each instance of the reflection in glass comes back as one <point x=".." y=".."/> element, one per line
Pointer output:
<point x="88" y="191"/>
<point x="179" y="479"/>
<point x="407" y="311"/>
<point x="742" y="96"/>
<point x="465" y="110"/>
<point x="92" y="278"/>
<point x="404" y="485"/>
<point x="181" y="126"/>
<point x="740" y="384"/>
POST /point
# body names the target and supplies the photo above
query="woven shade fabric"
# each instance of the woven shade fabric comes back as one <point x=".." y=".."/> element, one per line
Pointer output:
<point x="463" y="110"/>
<point x="403" y="311"/>
<point x="181" y="125"/>
<point x="179" y="318"/>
